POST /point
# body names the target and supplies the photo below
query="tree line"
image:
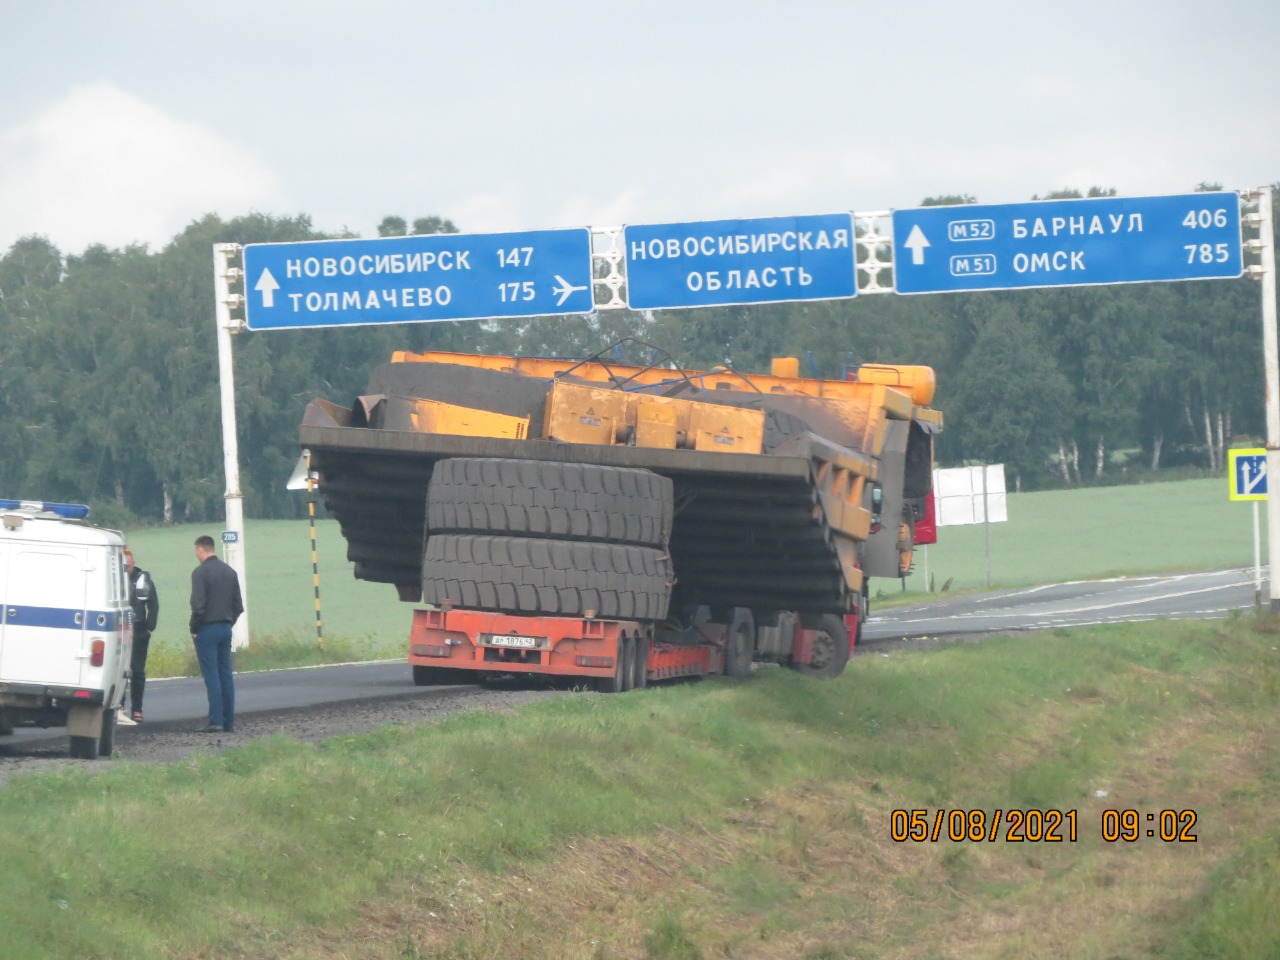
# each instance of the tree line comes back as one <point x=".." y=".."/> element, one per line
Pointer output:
<point x="109" y="379"/>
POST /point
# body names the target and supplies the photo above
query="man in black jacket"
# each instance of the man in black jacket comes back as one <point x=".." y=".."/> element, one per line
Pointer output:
<point x="146" y="609"/>
<point x="215" y="605"/>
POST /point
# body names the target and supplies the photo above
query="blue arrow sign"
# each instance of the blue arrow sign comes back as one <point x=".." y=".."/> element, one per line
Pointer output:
<point x="718" y="262"/>
<point x="1054" y="243"/>
<point x="453" y="276"/>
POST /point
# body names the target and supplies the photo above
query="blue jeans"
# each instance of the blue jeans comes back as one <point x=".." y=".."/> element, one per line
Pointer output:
<point x="213" y="651"/>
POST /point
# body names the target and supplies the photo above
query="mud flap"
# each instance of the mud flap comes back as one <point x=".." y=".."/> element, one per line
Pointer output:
<point x="84" y="720"/>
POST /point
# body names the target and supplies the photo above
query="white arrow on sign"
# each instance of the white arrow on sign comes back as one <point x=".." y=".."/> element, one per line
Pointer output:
<point x="564" y="288"/>
<point x="916" y="242"/>
<point x="268" y="286"/>
<point x="1252" y="477"/>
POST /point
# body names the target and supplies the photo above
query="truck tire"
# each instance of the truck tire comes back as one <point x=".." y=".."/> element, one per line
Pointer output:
<point x="534" y="498"/>
<point x="526" y="575"/>
<point x="624" y="668"/>
<point x="83" y="748"/>
<point x="107" y="739"/>
<point x="740" y="644"/>
<point x="830" y="648"/>
<point x="641" y="676"/>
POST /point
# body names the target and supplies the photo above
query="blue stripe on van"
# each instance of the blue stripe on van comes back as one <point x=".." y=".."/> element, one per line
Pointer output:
<point x="61" y="618"/>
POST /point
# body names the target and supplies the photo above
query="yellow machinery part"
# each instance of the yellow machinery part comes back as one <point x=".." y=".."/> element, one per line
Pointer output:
<point x="919" y="383"/>
<point x="581" y="413"/>
<point x="785" y="367"/>
<point x="914" y="384"/>
<point x="722" y="429"/>
<point x="432" y="416"/>
<point x="657" y="423"/>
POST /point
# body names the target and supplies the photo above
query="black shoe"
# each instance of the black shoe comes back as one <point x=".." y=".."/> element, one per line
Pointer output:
<point x="230" y="729"/>
<point x="211" y="728"/>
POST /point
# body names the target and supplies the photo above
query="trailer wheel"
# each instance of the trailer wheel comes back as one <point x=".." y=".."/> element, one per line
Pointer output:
<point x="642" y="662"/>
<point x="83" y="748"/>
<point x="864" y="608"/>
<point x="535" y="498"/>
<point x="107" y="739"/>
<point x="830" y="648"/>
<point x="740" y="644"/>
<point x="527" y="575"/>
<point x="623" y="669"/>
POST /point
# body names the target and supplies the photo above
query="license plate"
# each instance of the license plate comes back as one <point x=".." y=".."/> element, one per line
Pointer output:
<point x="513" y="640"/>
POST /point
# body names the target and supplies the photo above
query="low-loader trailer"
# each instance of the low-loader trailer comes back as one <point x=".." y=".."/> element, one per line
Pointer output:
<point x="616" y="524"/>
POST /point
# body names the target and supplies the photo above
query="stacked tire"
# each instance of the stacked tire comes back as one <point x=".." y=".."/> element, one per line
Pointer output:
<point x="541" y="538"/>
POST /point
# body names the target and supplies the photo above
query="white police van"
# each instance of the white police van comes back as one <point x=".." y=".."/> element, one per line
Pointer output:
<point x="66" y="626"/>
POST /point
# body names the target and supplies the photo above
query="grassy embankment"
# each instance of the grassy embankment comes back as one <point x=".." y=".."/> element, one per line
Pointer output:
<point x="708" y="820"/>
<point x="749" y="820"/>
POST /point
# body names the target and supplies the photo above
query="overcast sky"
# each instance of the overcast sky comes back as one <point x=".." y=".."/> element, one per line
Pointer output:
<point x="123" y="121"/>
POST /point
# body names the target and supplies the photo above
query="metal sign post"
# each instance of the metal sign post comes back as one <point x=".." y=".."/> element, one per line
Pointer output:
<point x="1265" y="271"/>
<point x="1247" y="476"/>
<point x="233" y="546"/>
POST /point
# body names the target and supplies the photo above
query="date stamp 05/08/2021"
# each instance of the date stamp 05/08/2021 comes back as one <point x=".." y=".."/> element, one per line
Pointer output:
<point x="1039" y="826"/>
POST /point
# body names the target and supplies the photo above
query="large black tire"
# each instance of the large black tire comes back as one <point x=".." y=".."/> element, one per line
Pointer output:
<point x="740" y="644"/>
<point x="830" y="648"/>
<point x="533" y="498"/>
<point x="624" y="669"/>
<point x="83" y="748"/>
<point x="524" y="575"/>
<point x="107" y="739"/>
<point x="641" y="676"/>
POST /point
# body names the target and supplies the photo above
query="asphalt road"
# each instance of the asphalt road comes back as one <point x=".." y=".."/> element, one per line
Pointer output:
<point x="1197" y="596"/>
<point x="179" y="704"/>
<point x="178" y="701"/>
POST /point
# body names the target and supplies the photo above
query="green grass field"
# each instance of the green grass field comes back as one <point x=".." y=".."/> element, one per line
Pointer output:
<point x="777" y="817"/>
<point x="1098" y="532"/>
<point x="1049" y="537"/>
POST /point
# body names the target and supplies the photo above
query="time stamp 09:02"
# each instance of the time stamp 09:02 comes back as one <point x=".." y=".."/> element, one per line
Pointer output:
<point x="1038" y="826"/>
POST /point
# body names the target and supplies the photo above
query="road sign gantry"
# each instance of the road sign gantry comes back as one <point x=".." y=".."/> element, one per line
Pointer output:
<point x="1054" y="243"/>
<point x="455" y="276"/>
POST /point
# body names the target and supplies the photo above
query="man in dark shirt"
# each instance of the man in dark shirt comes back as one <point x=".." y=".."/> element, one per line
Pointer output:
<point x="215" y="605"/>
<point x="146" y="609"/>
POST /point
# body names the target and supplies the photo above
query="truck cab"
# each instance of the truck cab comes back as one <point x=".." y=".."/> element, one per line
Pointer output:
<point x="66" y="627"/>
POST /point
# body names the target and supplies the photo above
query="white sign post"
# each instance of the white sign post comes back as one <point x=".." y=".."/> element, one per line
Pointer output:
<point x="233" y="537"/>
<point x="1247" y="479"/>
<point x="1265" y="271"/>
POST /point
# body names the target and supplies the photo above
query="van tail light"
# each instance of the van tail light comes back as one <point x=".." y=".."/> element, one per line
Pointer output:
<point x="97" y="653"/>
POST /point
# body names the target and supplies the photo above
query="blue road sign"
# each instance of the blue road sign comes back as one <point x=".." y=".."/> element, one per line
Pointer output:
<point x="1054" y="243"/>
<point x="1248" y="474"/>
<point x="451" y="276"/>
<point x="712" y="263"/>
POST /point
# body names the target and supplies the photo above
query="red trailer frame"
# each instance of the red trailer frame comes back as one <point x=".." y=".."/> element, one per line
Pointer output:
<point x="455" y="645"/>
